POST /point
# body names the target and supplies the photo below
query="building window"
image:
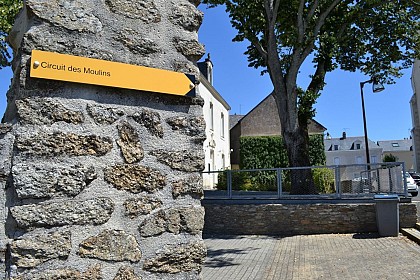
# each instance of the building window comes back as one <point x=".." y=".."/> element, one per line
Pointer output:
<point x="357" y="146"/>
<point x="395" y="145"/>
<point x="373" y="159"/>
<point x="223" y="161"/>
<point x="337" y="161"/>
<point x="211" y="164"/>
<point x="222" y="125"/>
<point x="335" y="147"/>
<point x="211" y="116"/>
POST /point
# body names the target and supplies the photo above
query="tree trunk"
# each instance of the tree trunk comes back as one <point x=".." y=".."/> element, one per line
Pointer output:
<point x="297" y="146"/>
<point x="296" y="139"/>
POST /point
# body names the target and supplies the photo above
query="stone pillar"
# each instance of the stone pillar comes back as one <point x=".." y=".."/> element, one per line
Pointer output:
<point x="98" y="182"/>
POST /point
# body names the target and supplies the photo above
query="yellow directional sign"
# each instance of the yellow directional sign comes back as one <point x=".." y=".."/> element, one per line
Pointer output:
<point x="77" y="69"/>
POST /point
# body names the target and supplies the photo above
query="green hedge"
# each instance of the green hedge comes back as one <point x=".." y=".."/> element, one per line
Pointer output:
<point x="267" y="180"/>
<point x="270" y="152"/>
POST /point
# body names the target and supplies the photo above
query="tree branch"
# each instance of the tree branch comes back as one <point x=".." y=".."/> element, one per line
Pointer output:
<point x="300" y="22"/>
<point x="318" y="79"/>
<point x="271" y="10"/>
<point x="273" y="63"/>
<point x="276" y="8"/>
<point x="259" y="47"/>
<point x="312" y="11"/>
<point x="319" y="23"/>
<point x="254" y="40"/>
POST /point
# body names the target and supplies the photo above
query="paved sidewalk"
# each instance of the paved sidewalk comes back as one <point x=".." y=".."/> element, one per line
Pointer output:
<point x="328" y="256"/>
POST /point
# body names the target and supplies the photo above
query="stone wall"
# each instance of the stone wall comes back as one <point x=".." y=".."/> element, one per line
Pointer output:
<point x="96" y="181"/>
<point x="418" y="209"/>
<point x="291" y="219"/>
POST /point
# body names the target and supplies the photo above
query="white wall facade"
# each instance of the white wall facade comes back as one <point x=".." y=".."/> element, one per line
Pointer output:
<point x="217" y="144"/>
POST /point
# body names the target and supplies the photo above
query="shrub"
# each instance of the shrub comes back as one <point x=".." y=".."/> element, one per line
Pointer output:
<point x="240" y="180"/>
<point x="324" y="180"/>
<point x="269" y="152"/>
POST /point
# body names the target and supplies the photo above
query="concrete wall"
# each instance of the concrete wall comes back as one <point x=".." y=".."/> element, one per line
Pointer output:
<point x="102" y="183"/>
<point x="291" y="219"/>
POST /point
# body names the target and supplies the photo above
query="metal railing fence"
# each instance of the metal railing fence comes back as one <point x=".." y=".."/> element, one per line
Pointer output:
<point x="341" y="181"/>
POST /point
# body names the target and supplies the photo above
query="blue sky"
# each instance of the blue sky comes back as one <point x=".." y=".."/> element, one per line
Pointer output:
<point x="338" y="109"/>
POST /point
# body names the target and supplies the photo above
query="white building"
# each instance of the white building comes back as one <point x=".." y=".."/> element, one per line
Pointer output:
<point x="350" y="150"/>
<point x="415" y="109"/>
<point x="216" y="115"/>
<point x="402" y="149"/>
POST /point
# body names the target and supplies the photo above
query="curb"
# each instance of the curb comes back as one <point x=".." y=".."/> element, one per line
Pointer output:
<point x="412" y="233"/>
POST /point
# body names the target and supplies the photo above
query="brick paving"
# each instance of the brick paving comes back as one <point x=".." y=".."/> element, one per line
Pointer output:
<point x="327" y="256"/>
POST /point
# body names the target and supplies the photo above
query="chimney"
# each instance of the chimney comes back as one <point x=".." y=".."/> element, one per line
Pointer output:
<point x="206" y="68"/>
<point x="344" y="136"/>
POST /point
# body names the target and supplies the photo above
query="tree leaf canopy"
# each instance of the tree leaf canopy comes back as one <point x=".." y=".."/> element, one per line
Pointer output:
<point x="8" y="12"/>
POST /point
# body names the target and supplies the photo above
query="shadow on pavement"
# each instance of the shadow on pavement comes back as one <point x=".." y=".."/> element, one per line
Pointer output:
<point x="225" y="257"/>
<point x="373" y="235"/>
<point x="219" y="258"/>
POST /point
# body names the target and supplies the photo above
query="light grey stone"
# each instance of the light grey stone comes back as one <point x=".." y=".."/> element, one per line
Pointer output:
<point x="191" y="49"/>
<point x="104" y="115"/>
<point x="139" y="32"/>
<point x="46" y="111"/>
<point x="5" y="128"/>
<point x="6" y="150"/>
<point x="92" y="273"/>
<point x="174" y="220"/>
<point x="63" y="42"/>
<point x="33" y="249"/>
<point x="43" y="181"/>
<point x="192" y="186"/>
<point x="73" y="15"/>
<point x="135" y="178"/>
<point x="144" y="10"/>
<point x="143" y="205"/>
<point x="137" y="43"/>
<point x="151" y="121"/>
<point x="187" y="16"/>
<point x="129" y="143"/>
<point x="191" y="126"/>
<point x="185" y="67"/>
<point x="111" y="245"/>
<point x="126" y="273"/>
<point x="52" y="214"/>
<point x="181" y="160"/>
<point x="178" y="258"/>
<point x="60" y="144"/>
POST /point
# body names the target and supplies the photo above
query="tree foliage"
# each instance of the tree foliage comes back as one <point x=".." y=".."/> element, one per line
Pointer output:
<point x="390" y="158"/>
<point x="377" y="37"/>
<point x="8" y="12"/>
<point x="270" y="152"/>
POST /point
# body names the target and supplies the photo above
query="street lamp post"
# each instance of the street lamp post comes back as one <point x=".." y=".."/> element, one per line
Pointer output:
<point x="376" y="87"/>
